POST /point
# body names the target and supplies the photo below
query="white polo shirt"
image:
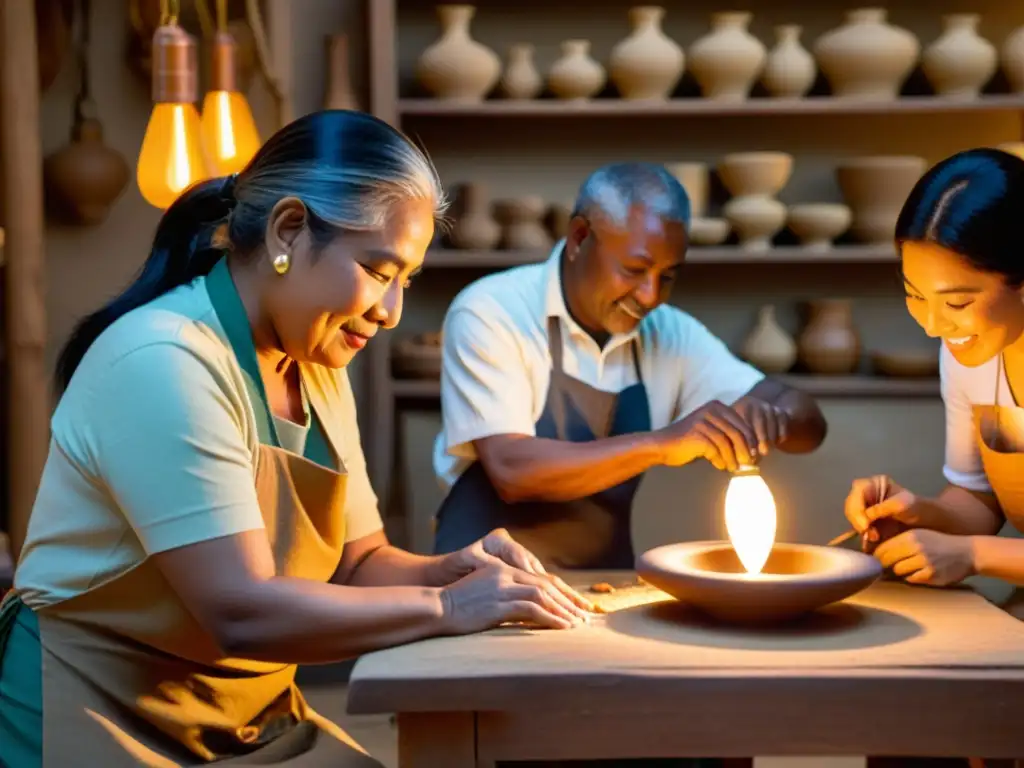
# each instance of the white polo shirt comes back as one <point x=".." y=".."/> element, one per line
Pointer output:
<point x="496" y="363"/>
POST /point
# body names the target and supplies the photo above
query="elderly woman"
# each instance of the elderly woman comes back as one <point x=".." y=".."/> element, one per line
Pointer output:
<point x="204" y="521"/>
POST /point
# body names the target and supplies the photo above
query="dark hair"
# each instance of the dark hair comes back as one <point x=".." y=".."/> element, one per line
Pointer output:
<point x="348" y="168"/>
<point x="613" y="189"/>
<point x="972" y="204"/>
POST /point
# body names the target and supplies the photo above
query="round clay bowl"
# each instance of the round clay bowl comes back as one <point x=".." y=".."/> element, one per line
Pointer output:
<point x="708" y="232"/>
<point x="418" y="357"/>
<point x="875" y="188"/>
<point x="796" y="580"/>
<point x="755" y="173"/>
<point x="910" y="363"/>
<point x="816" y="225"/>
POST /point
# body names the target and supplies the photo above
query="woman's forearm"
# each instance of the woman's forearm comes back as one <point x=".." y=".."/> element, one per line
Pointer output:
<point x="999" y="558"/>
<point x="524" y="468"/>
<point x="961" y="512"/>
<point x="296" y="621"/>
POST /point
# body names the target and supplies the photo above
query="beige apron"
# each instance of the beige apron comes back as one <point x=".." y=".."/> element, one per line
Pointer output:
<point x="999" y="433"/>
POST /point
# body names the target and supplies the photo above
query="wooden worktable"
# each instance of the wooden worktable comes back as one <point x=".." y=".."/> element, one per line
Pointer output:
<point x="896" y="670"/>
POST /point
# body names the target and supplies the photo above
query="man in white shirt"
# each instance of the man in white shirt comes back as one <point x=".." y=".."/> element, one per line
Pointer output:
<point x="563" y="382"/>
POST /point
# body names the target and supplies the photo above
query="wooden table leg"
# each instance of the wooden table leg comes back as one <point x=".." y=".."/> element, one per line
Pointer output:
<point x="429" y="739"/>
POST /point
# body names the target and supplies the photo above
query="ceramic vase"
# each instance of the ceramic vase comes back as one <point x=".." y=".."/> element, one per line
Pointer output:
<point x="84" y="178"/>
<point x="522" y="221"/>
<point x="338" y="93"/>
<point x="754" y="178"/>
<point x="768" y="347"/>
<point x="875" y="188"/>
<point x="960" y="62"/>
<point x="790" y="70"/>
<point x="520" y="80"/>
<point x="475" y="227"/>
<point x="867" y="57"/>
<point x="576" y="76"/>
<point x="648" y="64"/>
<point x="456" y="67"/>
<point x="829" y="343"/>
<point x="1012" y="58"/>
<point x="695" y="178"/>
<point x="727" y="61"/>
<point x="816" y="225"/>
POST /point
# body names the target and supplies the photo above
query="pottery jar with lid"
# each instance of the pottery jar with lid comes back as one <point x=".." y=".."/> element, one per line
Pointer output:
<point x="456" y="67"/>
<point x="960" y="62"/>
<point x="727" y="61"/>
<point x="648" y="64"/>
<point x="867" y="57"/>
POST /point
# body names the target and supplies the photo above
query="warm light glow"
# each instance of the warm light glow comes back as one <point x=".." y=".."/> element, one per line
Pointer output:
<point x="229" y="132"/>
<point x="750" y="519"/>
<point x="171" y="158"/>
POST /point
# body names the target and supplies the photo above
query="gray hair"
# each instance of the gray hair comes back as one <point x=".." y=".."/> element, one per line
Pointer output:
<point x="612" y="190"/>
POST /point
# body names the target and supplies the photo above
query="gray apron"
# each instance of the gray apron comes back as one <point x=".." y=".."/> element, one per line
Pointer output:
<point x="588" y="533"/>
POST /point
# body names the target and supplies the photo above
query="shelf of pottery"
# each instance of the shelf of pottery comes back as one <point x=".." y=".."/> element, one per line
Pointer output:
<point x="865" y="59"/>
<point x="825" y="358"/>
<point x="751" y="223"/>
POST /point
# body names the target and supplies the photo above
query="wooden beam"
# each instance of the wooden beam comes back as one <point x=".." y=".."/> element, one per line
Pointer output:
<point x="28" y="395"/>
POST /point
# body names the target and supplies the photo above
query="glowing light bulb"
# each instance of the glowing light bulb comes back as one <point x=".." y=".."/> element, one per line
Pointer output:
<point x="750" y="518"/>
<point x="230" y="137"/>
<point x="171" y="158"/>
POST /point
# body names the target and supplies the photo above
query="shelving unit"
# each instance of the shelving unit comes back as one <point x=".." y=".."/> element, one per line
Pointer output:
<point x="386" y="395"/>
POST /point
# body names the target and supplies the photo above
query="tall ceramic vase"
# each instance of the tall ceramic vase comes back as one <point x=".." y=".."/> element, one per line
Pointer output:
<point x="456" y="67"/>
<point x="790" y="70"/>
<point x="768" y="346"/>
<point x="961" y="61"/>
<point x="829" y="343"/>
<point x="867" y="57"/>
<point x="727" y="61"/>
<point x="648" y="64"/>
<point x="520" y="80"/>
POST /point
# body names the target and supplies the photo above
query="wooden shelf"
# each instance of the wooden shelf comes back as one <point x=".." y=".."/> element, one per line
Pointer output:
<point x="697" y="107"/>
<point x="818" y="386"/>
<point x="844" y="254"/>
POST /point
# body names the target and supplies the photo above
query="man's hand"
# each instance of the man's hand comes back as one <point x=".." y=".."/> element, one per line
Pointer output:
<point x="768" y="421"/>
<point x="715" y="432"/>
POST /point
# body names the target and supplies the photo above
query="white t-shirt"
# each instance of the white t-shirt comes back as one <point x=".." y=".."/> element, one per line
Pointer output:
<point x="496" y="363"/>
<point x="962" y="388"/>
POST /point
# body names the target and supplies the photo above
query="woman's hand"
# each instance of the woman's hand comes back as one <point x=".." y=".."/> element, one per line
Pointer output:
<point x="922" y="556"/>
<point x="879" y="509"/>
<point x="495" y="593"/>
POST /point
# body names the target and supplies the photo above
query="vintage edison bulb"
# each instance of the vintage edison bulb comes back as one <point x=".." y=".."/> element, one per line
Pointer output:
<point x="171" y="158"/>
<point x="750" y="518"/>
<point x="230" y="137"/>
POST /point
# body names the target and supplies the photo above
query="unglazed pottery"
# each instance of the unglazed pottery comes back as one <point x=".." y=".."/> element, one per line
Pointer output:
<point x="797" y="579"/>
<point x="816" y="225"/>
<point x="648" y="64"/>
<point x="960" y="62"/>
<point x="1011" y="56"/>
<point x="84" y="178"/>
<point x="522" y="221"/>
<point x="867" y="57"/>
<point x="417" y="357"/>
<point x="576" y="75"/>
<point x="829" y="343"/>
<point x="754" y="178"/>
<point x="768" y="347"/>
<point x="520" y="80"/>
<point x="694" y="177"/>
<point x="906" y="363"/>
<point x="706" y="232"/>
<point x="875" y="188"/>
<point x="456" y="67"/>
<point x="727" y="61"/>
<point x="475" y="227"/>
<point x="790" y="70"/>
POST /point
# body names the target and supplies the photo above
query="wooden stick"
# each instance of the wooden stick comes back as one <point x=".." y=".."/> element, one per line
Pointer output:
<point x="28" y="400"/>
<point x="842" y="537"/>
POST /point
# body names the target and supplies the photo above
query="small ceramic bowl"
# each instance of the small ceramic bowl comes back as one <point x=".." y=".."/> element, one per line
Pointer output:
<point x="708" y="232"/>
<point x="818" y="224"/>
<point x="909" y="363"/>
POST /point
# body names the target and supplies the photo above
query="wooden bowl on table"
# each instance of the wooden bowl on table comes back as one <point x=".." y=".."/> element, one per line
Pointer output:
<point x="796" y="580"/>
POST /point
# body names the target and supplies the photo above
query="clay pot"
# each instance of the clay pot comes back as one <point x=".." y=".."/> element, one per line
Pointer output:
<point x="709" y="577"/>
<point x="1011" y="56"/>
<point x="338" y="92"/>
<point x="790" y="70"/>
<point x="457" y="67"/>
<point x="960" y="62"/>
<point x="906" y="363"/>
<point x="754" y="178"/>
<point x="867" y="58"/>
<point x="520" y="80"/>
<point x="816" y="225"/>
<point x="576" y="76"/>
<point x="522" y="221"/>
<point x="727" y="61"/>
<point x="648" y="64"/>
<point x="84" y="178"/>
<point x="709" y="232"/>
<point x="768" y="347"/>
<point x="875" y="188"/>
<point x="474" y="228"/>
<point x="557" y="220"/>
<point x="829" y="343"/>
<point x="417" y="357"/>
<point x="694" y="178"/>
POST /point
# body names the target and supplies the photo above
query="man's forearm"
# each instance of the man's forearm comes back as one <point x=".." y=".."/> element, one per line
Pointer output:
<point x="524" y="468"/>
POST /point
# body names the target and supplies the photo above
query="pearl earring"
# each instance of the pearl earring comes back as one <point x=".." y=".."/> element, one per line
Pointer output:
<point x="282" y="262"/>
